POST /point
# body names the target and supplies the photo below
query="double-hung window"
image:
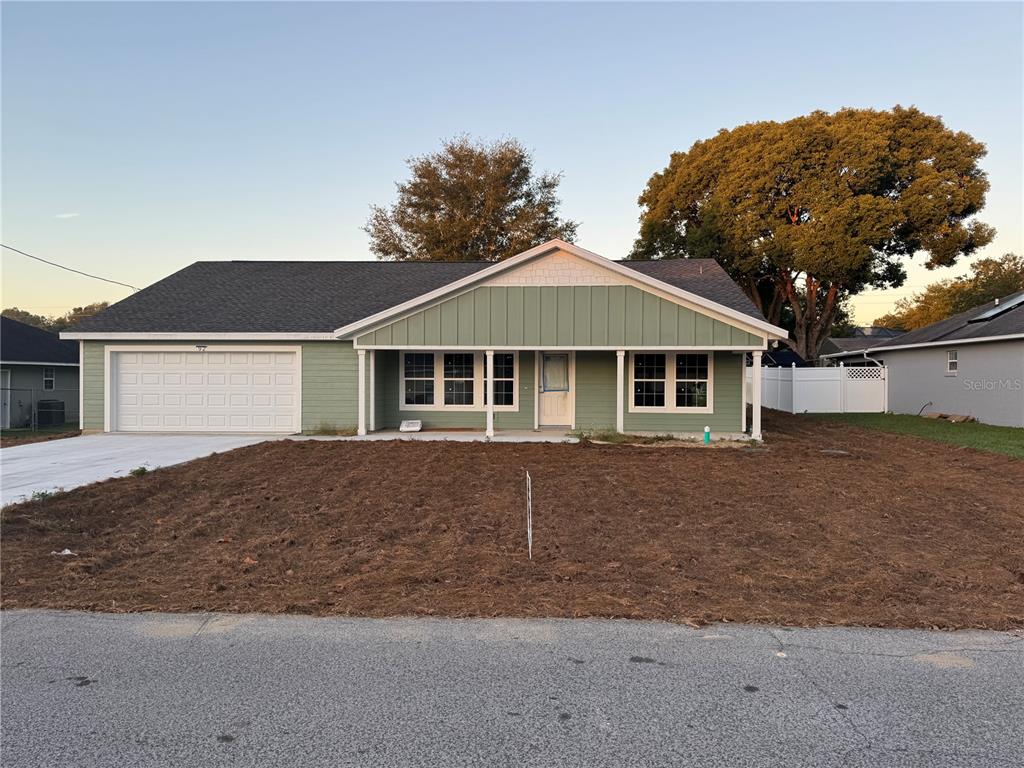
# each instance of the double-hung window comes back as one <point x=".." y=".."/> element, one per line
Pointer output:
<point x="49" y="377"/>
<point x="691" y="381"/>
<point x="419" y="378"/>
<point x="504" y="379"/>
<point x="459" y="381"/>
<point x="674" y="381"/>
<point x="952" y="363"/>
<point x="649" y="381"/>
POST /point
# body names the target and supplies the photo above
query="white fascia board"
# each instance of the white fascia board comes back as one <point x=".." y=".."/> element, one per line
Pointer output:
<point x="851" y="353"/>
<point x="763" y="326"/>
<point x="556" y="348"/>
<point x="950" y="342"/>
<point x="153" y="336"/>
<point x="37" y="362"/>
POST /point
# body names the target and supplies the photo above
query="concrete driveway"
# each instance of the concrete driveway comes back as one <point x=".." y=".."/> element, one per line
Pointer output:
<point x="75" y="461"/>
<point x="97" y="690"/>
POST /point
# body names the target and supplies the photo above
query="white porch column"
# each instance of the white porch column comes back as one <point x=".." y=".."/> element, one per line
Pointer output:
<point x="489" y="354"/>
<point x="373" y="390"/>
<point x="620" y="388"/>
<point x="361" y="390"/>
<point x="743" y="392"/>
<point x="755" y="426"/>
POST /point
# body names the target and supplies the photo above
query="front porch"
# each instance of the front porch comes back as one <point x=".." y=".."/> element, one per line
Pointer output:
<point x="542" y="395"/>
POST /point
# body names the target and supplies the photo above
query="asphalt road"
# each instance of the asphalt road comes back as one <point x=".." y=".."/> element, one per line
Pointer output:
<point x="215" y="690"/>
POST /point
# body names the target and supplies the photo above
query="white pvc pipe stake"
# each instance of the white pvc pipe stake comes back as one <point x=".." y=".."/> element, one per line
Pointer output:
<point x="529" y="516"/>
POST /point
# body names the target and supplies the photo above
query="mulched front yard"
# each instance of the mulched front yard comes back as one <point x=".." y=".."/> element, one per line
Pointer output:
<point x="893" y="530"/>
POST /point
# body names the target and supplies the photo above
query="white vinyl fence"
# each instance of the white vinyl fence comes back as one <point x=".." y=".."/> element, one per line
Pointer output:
<point x="823" y="390"/>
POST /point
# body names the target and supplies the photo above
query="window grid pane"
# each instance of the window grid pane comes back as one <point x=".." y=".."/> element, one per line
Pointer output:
<point x="649" y="367"/>
<point x="458" y="365"/>
<point x="419" y="365"/>
<point x="691" y="394"/>
<point x="419" y="392"/>
<point x="458" y="391"/>
<point x="692" y="367"/>
<point x="649" y="394"/>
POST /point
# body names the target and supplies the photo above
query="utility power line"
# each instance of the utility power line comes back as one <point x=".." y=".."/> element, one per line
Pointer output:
<point x="69" y="269"/>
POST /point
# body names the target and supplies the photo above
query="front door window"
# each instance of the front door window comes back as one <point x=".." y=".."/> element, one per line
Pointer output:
<point x="556" y="373"/>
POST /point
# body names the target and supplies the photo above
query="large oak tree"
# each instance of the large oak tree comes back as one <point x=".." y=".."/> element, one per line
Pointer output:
<point x="469" y="202"/>
<point x="807" y="212"/>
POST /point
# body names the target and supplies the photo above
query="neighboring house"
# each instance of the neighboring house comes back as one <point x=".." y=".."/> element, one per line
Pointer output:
<point x="566" y="338"/>
<point x="782" y="356"/>
<point x="850" y="350"/>
<point x="970" y="364"/>
<point x="35" y="366"/>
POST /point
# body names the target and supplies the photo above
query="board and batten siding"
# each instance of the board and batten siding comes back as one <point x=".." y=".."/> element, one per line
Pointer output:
<point x="389" y="415"/>
<point x="595" y="398"/>
<point x="559" y="316"/>
<point x="329" y="373"/>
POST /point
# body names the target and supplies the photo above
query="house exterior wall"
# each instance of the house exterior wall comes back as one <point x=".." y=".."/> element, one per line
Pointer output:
<point x="329" y="375"/>
<point x="389" y="414"/>
<point x="27" y="390"/>
<point x="595" y="398"/>
<point x="989" y="384"/>
<point x="330" y="400"/>
<point x="559" y="316"/>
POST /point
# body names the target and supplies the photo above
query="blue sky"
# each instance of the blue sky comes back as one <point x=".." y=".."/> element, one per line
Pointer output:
<point x="140" y="137"/>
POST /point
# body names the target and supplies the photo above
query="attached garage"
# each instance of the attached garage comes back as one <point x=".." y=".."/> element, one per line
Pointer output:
<point x="182" y="389"/>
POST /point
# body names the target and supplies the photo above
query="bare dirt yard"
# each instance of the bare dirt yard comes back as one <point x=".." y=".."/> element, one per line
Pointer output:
<point x="10" y="438"/>
<point x="828" y="524"/>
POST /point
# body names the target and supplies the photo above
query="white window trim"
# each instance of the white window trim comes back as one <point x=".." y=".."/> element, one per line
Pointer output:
<point x="478" y="382"/>
<point x="52" y="378"/>
<point x="670" y="384"/>
<point x="952" y="362"/>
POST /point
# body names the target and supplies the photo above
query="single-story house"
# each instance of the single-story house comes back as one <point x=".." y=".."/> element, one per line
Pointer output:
<point x="850" y="351"/>
<point x="555" y="337"/>
<point x="971" y="364"/>
<point x="38" y="376"/>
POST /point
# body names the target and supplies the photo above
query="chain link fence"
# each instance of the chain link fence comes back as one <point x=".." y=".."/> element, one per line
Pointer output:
<point x="38" y="408"/>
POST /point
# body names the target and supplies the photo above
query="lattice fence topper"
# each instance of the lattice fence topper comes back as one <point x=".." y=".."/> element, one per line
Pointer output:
<point x="865" y="373"/>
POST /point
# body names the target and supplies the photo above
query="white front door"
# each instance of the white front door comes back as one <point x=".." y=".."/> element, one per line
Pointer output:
<point x="213" y="391"/>
<point x="555" y="390"/>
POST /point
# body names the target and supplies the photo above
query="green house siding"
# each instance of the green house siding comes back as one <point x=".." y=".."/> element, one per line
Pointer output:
<point x="595" y="398"/>
<point x="330" y="399"/>
<point x="389" y="415"/>
<point x="329" y="393"/>
<point x="92" y="384"/>
<point x="329" y="372"/>
<point x="559" y="316"/>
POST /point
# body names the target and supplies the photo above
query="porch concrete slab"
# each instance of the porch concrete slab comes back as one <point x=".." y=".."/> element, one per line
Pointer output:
<point x="75" y="461"/>
<point x="512" y="436"/>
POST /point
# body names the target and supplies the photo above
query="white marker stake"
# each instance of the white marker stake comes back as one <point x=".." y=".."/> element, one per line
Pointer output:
<point x="529" y="516"/>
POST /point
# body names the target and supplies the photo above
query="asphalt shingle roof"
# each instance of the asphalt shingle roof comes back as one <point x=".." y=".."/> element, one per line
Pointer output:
<point x="960" y="328"/>
<point x="321" y="296"/>
<point x="705" y="277"/>
<point x="853" y="344"/>
<point x="25" y="343"/>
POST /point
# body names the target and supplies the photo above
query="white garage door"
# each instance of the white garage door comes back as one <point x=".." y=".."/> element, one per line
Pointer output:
<point x="207" y="391"/>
